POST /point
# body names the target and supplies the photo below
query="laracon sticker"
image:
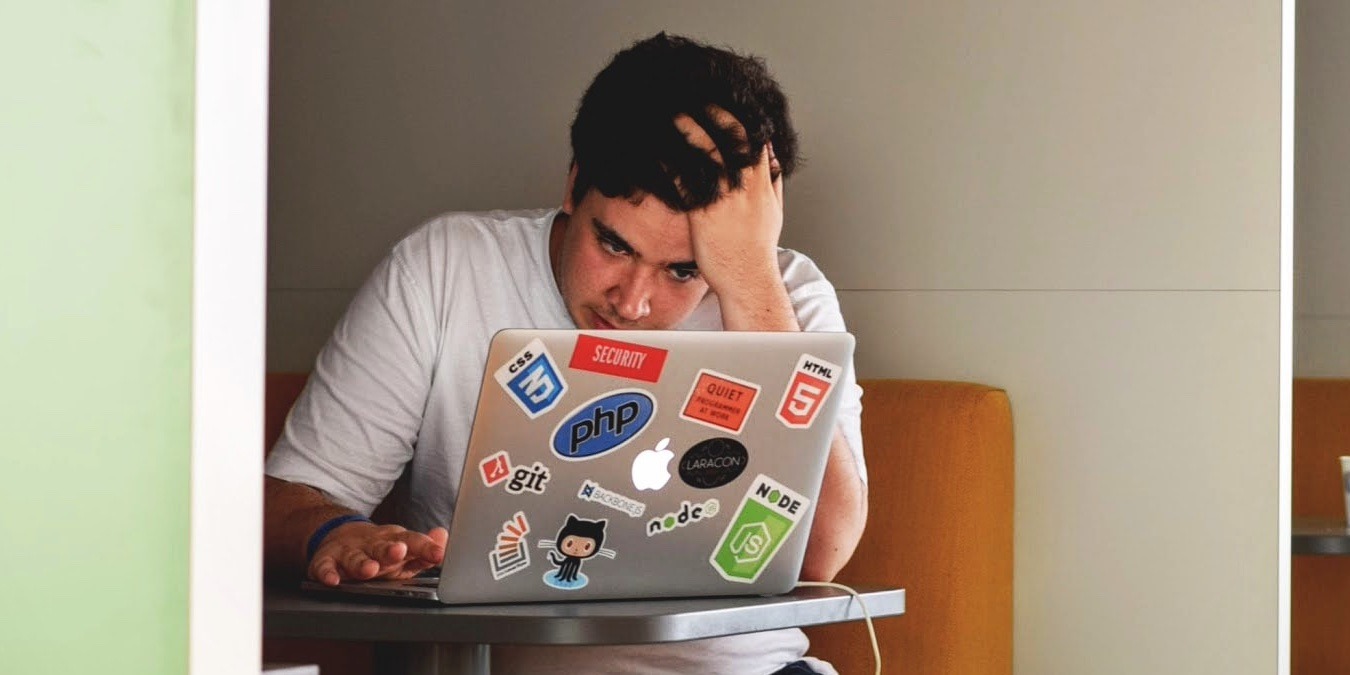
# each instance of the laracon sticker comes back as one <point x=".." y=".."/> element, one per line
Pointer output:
<point x="719" y="401"/>
<point x="495" y="468"/>
<point x="532" y="380"/>
<point x="592" y="492"/>
<point x="578" y="540"/>
<point x="532" y="478"/>
<point x="512" y="553"/>
<point x="713" y="463"/>
<point x="687" y="514"/>
<point x="619" y="359"/>
<point x="602" y="424"/>
<point x="767" y="515"/>
<point x="651" y="468"/>
<point x="811" y="382"/>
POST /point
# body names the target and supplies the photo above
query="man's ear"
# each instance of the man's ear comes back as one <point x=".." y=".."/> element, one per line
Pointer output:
<point x="568" y="206"/>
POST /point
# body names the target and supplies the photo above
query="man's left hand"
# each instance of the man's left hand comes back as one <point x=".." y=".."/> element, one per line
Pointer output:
<point x="735" y="238"/>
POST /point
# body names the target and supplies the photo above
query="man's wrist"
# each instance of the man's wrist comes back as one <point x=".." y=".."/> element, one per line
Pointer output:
<point x="316" y="539"/>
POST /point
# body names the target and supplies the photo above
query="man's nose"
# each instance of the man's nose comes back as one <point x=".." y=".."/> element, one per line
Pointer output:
<point x="631" y="297"/>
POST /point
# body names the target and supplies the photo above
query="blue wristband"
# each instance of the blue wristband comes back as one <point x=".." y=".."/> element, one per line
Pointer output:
<point x="317" y="538"/>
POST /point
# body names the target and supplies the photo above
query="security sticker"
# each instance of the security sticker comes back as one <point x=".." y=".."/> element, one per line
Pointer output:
<point x="687" y="514"/>
<point x="578" y="540"/>
<point x="512" y="553"/>
<point x="532" y="478"/>
<point x="618" y="359"/>
<point x="765" y="518"/>
<point x="719" y="401"/>
<point x="811" y="382"/>
<point x="532" y="380"/>
<point x="713" y="463"/>
<point x="592" y="492"/>
<point x="495" y="468"/>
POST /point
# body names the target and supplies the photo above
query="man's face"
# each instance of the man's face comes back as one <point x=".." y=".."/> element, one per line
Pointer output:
<point x="626" y="265"/>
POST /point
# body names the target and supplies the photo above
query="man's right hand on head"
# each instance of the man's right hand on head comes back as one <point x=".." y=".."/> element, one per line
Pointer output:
<point x="362" y="551"/>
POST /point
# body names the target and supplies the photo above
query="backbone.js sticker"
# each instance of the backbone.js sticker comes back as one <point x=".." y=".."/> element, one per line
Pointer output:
<point x="767" y="515"/>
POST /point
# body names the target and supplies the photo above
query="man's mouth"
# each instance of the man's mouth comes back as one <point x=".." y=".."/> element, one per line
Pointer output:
<point x="599" y="323"/>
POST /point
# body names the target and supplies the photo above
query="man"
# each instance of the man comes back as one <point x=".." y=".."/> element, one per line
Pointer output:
<point x="670" y="219"/>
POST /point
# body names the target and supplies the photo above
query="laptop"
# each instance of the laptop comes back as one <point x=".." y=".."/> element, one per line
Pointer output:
<point x="638" y="464"/>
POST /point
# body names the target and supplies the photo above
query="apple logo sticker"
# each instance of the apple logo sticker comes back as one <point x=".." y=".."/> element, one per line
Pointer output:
<point x="650" y="470"/>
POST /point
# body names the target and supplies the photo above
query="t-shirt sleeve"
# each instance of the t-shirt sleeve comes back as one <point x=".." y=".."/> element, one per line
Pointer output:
<point x="354" y="426"/>
<point x="817" y="307"/>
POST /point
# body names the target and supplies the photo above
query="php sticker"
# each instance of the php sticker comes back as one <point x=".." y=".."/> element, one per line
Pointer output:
<point x="719" y="401"/>
<point x="532" y="478"/>
<point x="687" y="514"/>
<point x="532" y="380"/>
<point x="713" y="463"/>
<point x="592" y="492"/>
<point x="619" y="359"/>
<point x="811" y="382"/>
<point x="512" y="553"/>
<point x="767" y="515"/>
<point x="495" y="468"/>
<point x="579" y="540"/>
<point x="602" y="424"/>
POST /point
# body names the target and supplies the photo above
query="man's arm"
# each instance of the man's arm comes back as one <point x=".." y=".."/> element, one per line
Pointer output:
<point x="292" y="513"/>
<point x="736" y="248"/>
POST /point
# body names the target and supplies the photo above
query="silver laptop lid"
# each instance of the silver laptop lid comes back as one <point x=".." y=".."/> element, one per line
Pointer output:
<point x="643" y="464"/>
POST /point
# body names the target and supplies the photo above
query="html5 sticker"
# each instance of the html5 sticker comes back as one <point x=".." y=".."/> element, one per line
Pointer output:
<point x="618" y="359"/>
<point x="719" y="401"/>
<point x="532" y="380"/>
<point x="811" y="383"/>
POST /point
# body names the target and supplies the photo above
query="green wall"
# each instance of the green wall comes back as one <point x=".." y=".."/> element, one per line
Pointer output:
<point x="96" y="115"/>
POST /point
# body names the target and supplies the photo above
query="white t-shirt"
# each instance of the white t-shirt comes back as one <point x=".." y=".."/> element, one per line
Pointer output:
<point x="397" y="383"/>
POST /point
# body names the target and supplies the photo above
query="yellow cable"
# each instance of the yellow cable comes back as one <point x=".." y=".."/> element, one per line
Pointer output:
<point x="871" y="630"/>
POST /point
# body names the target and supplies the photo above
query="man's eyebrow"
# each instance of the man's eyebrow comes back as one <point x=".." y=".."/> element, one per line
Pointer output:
<point x="613" y="238"/>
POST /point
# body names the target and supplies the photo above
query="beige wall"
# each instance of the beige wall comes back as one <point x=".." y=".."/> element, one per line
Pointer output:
<point x="1322" y="189"/>
<point x="1076" y="201"/>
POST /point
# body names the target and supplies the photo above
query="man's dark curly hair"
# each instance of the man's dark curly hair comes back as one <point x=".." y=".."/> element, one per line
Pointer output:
<point x="624" y="139"/>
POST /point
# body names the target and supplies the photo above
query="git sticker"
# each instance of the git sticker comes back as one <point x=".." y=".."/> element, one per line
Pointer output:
<point x="512" y="553"/>
<point x="495" y="468"/>
<point x="719" y="401"/>
<point x="532" y="380"/>
<point x="765" y="518"/>
<point x="618" y="359"/>
<point x="811" y="382"/>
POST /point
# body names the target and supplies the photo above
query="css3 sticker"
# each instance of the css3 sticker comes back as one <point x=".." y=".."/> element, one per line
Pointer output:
<point x="532" y="380"/>
<point x="811" y="382"/>
<point x="602" y="424"/>
<point x="767" y="515"/>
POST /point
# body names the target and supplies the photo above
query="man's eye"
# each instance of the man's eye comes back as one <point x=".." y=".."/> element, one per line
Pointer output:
<point x="683" y="274"/>
<point x="612" y="248"/>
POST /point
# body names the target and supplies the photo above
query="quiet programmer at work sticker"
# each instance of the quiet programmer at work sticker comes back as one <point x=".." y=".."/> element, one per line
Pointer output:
<point x="719" y="401"/>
